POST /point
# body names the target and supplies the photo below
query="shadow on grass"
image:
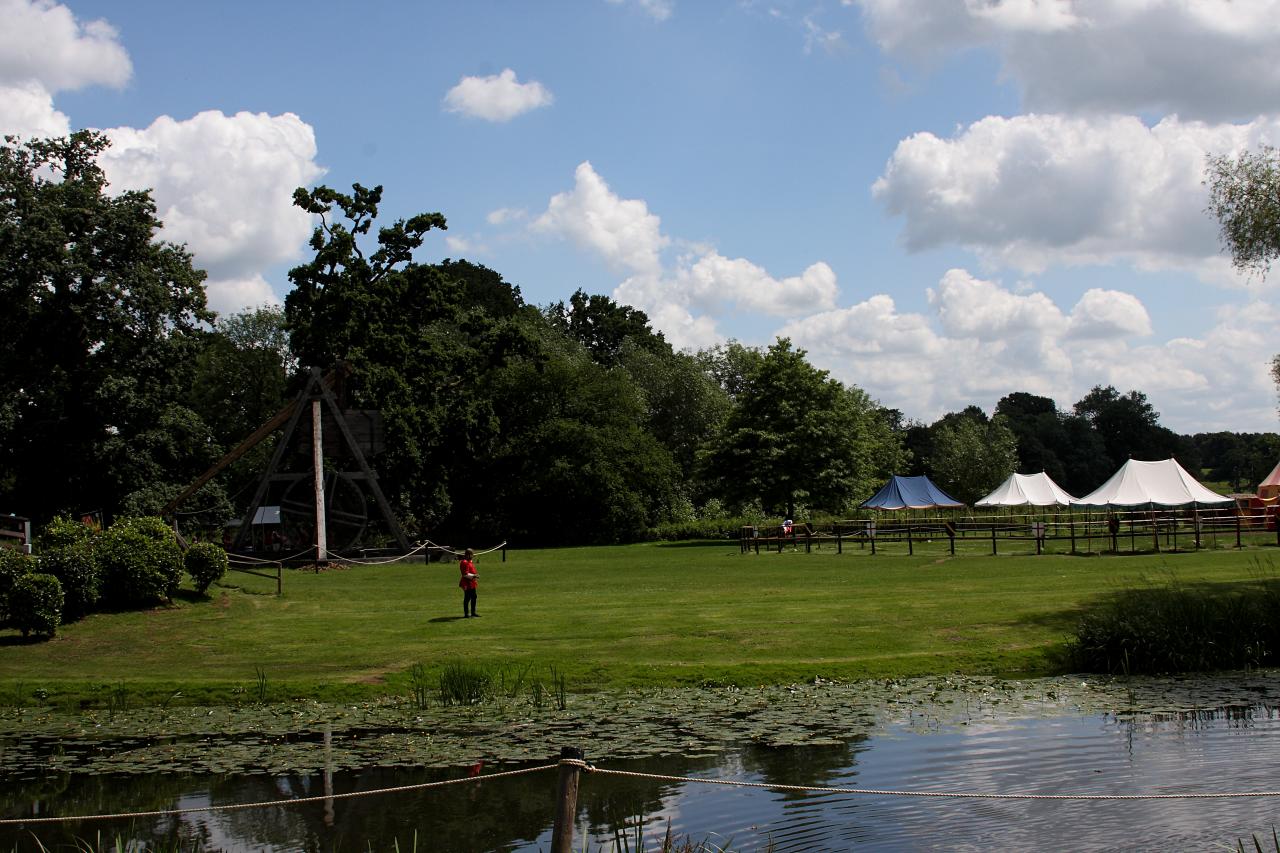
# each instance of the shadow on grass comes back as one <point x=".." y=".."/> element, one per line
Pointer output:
<point x="445" y="619"/>
<point x="698" y="543"/>
<point x="19" y="640"/>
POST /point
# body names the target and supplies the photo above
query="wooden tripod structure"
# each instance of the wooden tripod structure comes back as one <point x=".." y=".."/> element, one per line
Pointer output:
<point x="321" y="505"/>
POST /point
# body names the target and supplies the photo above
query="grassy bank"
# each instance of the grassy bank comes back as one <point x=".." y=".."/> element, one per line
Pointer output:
<point x="603" y="618"/>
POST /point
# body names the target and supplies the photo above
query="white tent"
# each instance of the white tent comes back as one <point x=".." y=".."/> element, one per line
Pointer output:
<point x="1165" y="483"/>
<point x="1027" y="490"/>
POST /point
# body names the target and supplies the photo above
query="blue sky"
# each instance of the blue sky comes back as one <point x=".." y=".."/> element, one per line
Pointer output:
<point x="943" y="201"/>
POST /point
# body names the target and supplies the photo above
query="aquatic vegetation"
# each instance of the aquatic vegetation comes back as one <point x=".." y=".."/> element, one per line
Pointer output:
<point x="286" y="738"/>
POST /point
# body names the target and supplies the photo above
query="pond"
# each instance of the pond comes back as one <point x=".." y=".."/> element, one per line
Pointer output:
<point x="1043" y="736"/>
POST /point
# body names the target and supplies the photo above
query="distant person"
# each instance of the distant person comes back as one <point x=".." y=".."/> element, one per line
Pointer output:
<point x="467" y="568"/>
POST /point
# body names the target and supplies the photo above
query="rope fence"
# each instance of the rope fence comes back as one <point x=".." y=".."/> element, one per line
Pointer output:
<point x="277" y="803"/>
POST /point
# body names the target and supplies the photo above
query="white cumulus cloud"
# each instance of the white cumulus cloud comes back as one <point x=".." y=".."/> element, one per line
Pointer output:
<point x="686" y="298"/>
<point x="1108" y="315"/>
<point x="45" y="49"/>
<point x="1036" y="190"/>
<point x="223" y="185"/>
<point x="498" y="97"/>
<point x="42" y="41"/>
<point x="26" y="111"/>
<point x="982" y="341"/>
<point x="621" y="231"/>
<point x="1205" y="59"/>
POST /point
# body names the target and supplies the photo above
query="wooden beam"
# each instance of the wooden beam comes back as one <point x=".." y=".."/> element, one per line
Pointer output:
<point x="278" y="420"/>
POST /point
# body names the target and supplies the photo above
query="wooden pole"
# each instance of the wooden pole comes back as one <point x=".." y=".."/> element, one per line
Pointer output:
<point x="566" y="801"/>
<point x="328" y="774"/>
<point x="317" y="463"/>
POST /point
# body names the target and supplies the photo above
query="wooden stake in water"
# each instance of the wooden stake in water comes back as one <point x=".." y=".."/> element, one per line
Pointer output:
<point x="328" y="774"/>
<point x="566" y="802"/>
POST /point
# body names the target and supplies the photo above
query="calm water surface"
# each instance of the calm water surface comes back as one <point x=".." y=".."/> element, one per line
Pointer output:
<point x="1233" y="748"/>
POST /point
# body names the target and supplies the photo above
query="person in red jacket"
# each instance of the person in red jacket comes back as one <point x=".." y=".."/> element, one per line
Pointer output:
<point x="467" y="567"/>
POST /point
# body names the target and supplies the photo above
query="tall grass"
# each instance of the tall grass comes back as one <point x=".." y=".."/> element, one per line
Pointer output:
<point x="462" y="683"/>
<point x="465" y="684"/>
<point x="1177" y="626"/>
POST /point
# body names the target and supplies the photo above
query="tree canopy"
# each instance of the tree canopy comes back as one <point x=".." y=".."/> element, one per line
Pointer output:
<point x="100" y="333"/>
<point x="1244" y="195"/>
<point x="796" y="437"/>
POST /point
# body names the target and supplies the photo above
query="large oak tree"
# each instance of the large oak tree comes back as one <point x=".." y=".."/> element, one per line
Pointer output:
<point x="100" y="329"/>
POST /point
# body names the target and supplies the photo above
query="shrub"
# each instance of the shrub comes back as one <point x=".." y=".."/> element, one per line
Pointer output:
<point x="139" y="560"/>
<point x="62" y="532"/>
<point x="35" y="604"/>
<point x="206" y="563"/>
<point x="1176" y="627"/>
<point x="76" y="567"/>
<point x="13" y="565"/>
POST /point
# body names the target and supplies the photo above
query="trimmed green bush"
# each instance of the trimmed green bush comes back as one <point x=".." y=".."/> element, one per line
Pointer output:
<point x="140" y="562"/>
<point x="66" y="552"/>
<point x="35" y="604"/>
<point x="206" y="563"/>
<point x="13" y="565"/>
<point x="76" y="567"/>
<point x="62" y="532"/>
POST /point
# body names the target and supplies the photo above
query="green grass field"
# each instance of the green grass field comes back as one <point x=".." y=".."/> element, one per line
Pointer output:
<point x="606" y="618"/>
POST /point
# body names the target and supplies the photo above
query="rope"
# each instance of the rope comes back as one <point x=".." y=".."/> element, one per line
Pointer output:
<point x="589" y="768"/>
<point x="965" y="795"/>
<point x="449" y="550"/>
<point x="247" y="558"/>
<point x="272" y="803"/>
<point x="420" y="547"/>
<point x="427" y="543"/>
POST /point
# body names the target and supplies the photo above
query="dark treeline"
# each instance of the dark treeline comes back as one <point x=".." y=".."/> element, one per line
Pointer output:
<point x="574" y="422"/>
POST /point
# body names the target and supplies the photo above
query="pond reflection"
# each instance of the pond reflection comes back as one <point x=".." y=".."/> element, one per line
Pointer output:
<point x="1146" y="737"/>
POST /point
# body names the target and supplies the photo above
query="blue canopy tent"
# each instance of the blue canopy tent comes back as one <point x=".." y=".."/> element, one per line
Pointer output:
<point x="911" y="493"/>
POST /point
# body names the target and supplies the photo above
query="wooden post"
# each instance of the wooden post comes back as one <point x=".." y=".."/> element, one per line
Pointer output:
<point x="566" y="801"/>
<point x="1071" y="529"/>
<point x="839" y="542"/>
<point x="1238" y="545"/>
<point x="317" y="463"/>
<point x="993" y="538"/>
<point x="808" y="539"/>
<point x="328" y="774"/>
<point x="910" y="549"/>
<point x="504" y="553"/>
